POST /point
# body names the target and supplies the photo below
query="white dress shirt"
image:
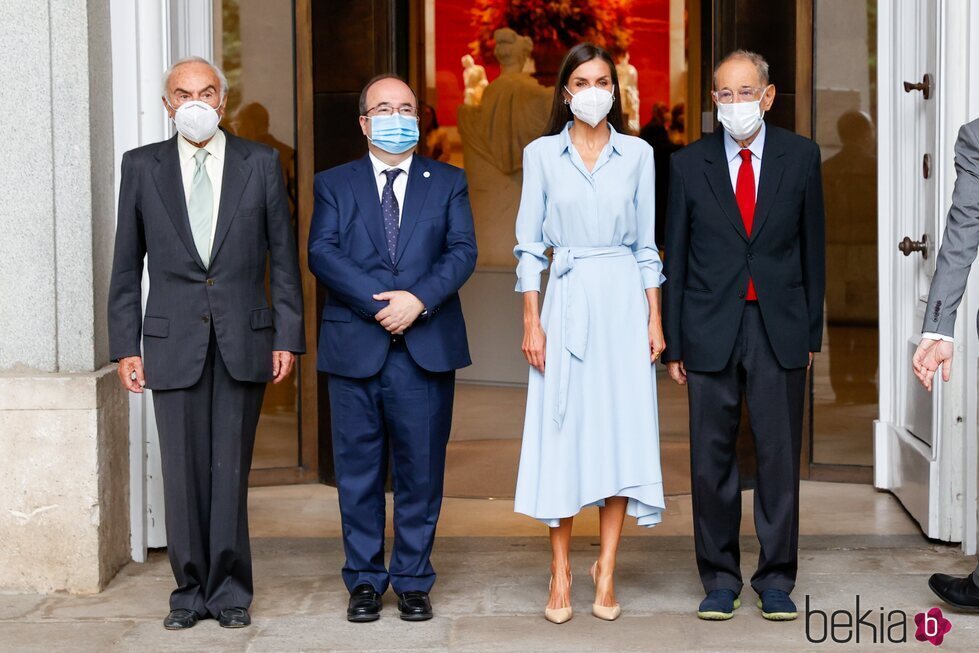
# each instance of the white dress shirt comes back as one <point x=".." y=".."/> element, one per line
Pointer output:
<point x="937" y="336"/>
<point x="733" y="152"/>
<point x="213" y="165"/>
<point x="400" y="182"/>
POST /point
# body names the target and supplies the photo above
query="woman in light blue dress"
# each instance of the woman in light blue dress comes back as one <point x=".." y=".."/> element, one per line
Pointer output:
<point x="591" y="434"/>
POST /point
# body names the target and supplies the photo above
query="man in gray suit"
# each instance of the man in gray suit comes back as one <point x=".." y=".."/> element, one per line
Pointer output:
<point x="951" y="274"/>
<point x="210" y="214"/>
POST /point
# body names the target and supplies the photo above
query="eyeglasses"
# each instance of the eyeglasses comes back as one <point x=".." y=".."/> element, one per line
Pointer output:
<point x="385" y="109"/>
<point x="744" y="94"/>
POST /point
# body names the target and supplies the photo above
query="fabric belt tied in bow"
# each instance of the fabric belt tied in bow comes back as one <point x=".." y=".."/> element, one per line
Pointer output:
<point x="574" y="312"/>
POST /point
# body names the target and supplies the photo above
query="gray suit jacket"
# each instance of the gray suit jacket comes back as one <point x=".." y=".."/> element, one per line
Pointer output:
<point x="186" y="299"/>
<point x="961" y="237"/>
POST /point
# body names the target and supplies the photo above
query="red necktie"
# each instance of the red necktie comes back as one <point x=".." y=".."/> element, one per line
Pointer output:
<point x="745" y="194"/>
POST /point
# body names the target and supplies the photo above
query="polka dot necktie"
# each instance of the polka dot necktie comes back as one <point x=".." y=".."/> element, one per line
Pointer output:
<point x="389" y="207"/>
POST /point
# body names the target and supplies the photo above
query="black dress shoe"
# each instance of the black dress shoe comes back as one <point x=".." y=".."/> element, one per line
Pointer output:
<point x="961" y="593"/>
<point x="180" y="619"/>
<point x="364" y="605"/>
<point x="234" y="618"/>
<point x="415" y="606"/>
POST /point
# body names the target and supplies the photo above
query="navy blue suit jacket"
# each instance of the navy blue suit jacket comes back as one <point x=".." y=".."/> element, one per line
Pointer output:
<point x="436" y="254"/>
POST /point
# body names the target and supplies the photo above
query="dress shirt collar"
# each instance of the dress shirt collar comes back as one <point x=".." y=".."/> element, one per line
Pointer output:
<point x="380" y="166"/>
<point x="733" y="150"/>
<point x="613" y="138"/>
<point x="215" y="147"/>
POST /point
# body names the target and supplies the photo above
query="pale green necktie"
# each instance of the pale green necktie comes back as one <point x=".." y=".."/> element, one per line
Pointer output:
<point x="200" y="208"/>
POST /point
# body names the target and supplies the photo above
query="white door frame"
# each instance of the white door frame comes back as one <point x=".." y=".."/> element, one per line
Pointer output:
<point x="969" y="364"/>
<point x="146" y="36"/>
<point x="937" y="484"/>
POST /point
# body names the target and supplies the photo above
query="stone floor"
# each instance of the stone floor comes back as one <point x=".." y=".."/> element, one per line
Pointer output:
<point x="493" y="580"/>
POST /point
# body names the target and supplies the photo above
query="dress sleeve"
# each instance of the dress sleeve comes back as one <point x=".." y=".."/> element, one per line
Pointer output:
<point x="644" y="249"/>
<point x="531" y="248"/>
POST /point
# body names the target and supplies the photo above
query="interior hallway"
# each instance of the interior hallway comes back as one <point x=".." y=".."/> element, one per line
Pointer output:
<point x="492" y="585"/>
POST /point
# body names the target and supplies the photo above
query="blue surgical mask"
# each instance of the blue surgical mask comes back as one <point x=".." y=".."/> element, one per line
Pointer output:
<point x="395" y="133"/>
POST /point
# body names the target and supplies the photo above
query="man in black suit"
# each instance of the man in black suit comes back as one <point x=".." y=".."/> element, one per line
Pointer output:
<point x="743" y="313"/>
<point x="209" y="212"/>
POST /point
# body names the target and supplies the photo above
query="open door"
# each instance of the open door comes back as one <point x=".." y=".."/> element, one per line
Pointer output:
<point x="908" y="436"/>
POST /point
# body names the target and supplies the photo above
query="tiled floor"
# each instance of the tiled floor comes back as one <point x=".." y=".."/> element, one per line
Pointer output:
<point x="492" y="584"/>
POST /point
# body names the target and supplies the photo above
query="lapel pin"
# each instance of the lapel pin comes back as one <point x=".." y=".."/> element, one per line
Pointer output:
<point x="426" y="174"/>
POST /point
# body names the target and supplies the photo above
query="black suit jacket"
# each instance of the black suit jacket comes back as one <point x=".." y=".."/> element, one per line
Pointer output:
<point x="709" y="255"/>
<point x="186" y="299"/>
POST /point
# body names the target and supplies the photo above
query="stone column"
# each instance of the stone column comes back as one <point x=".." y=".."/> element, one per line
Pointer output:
<point x="64" y="469"/>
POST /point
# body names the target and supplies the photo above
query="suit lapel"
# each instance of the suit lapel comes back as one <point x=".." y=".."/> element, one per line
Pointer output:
<point x="419" y="181"/>
<point x="233" y="182"/>
<point x="364" y="187"/>
<point x="772" y="167"/>
<point x="170" y="185"/>
<point x="719" y="177"/>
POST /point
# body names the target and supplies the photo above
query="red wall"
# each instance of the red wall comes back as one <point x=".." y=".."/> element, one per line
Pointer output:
<point x="649" y="53"/>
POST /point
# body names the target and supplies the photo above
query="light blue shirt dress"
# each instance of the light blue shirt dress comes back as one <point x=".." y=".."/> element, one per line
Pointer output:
<point x="591" y="429"/>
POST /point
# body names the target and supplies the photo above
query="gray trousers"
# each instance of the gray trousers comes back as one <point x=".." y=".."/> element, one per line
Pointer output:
<point x="207" y="435"/>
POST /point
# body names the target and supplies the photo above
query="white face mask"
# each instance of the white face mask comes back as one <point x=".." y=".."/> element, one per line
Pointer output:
<point x="196" y="121"/>
<point x="740" y="119"/>
<point x="591" y="105"/>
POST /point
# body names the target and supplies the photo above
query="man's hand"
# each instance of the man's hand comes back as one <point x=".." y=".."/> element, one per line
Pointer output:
<point x="401" y="312"/>
<point x="131" y="373"/>
<point x="930" y="355"/>
<point x="809" y="366"/>
<point x="677" y="372"/>
<point x="282" y="362"/>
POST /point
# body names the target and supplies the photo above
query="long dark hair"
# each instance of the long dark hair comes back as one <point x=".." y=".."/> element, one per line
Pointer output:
<point x="560" y="110"/>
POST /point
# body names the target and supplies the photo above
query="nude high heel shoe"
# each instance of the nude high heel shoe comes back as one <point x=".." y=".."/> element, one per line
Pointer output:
<point x="559" y="615"/>
<point x="603" y="611"/>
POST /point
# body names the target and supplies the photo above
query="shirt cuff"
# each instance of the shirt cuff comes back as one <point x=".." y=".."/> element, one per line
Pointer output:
<point x="937" y="336"/>
<point x="528" y="284"/>
<point x="651" y="277"/>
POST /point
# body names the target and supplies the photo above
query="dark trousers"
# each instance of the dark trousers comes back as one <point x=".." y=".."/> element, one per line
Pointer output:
<point x="409" y="410"/>
<point x="775" y="397"/>
<point x="207" y="434"/>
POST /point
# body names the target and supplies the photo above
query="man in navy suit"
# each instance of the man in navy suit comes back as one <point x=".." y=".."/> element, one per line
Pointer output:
<point x="392" y="240"/>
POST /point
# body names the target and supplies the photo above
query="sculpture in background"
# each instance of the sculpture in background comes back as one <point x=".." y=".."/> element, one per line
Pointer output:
<point x="628" y="92"/>
<point x="474" y="79"/>
<point x="513" y="112"/>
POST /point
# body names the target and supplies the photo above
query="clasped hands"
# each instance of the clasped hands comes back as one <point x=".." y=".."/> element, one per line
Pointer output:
<point x="401" y="312"/>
